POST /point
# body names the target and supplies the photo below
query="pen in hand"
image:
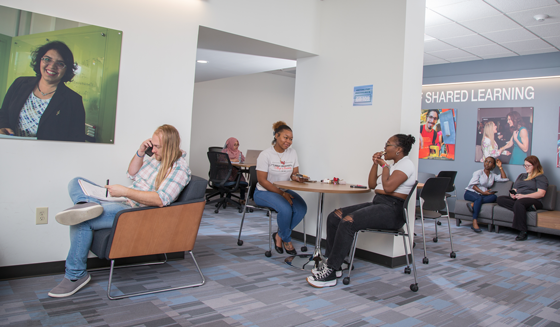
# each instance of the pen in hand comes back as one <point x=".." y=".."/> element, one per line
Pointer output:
<point x="107" y="191"/>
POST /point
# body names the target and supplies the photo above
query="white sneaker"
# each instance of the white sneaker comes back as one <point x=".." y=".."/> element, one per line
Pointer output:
<point x="79" y="213"/>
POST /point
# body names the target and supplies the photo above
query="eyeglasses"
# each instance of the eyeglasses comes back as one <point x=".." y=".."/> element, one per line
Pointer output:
<point x="527" y="166"/>
<point x="431" y="118"/>
<point x="388" y="144"/>
<point x="56" y="64"/>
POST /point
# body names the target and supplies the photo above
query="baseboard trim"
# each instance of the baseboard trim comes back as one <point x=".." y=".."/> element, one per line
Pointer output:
<point x="372" y="257"/>
<point x="57" y="267"/>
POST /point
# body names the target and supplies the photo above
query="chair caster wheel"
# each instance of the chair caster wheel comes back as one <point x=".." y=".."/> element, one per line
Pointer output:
<point x="304" y="248"/>
<point x="268" y="254"/>
<point x="407" y="270"/>
<point x="453" y="255"/>
<point x="240" y="210"/>
<point x="239" y="242"/>
<point x="216" y="211"/>
<point x="250" y="210"/>
<point x="435" y="239"/>
<point x="346" y="280"/>
<point x="425" y="261"/>
<point x="413" y="245"/>
<point x="414" y="287"/>
<point x="439" y="223"/>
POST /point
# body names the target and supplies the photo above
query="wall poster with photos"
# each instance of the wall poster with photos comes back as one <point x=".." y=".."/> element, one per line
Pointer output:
<point x="78" y="83"/>
<point x="438" y="129"/>
<point x="504" y="133"/>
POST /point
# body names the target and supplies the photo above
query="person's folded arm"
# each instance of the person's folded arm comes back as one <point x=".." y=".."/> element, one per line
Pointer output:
<point x="392" y="181"/>
<point x="539" y="194"/>
<point x="149" y="198"/>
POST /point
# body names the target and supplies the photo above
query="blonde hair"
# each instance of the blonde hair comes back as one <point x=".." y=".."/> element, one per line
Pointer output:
<point x="537" y="168"/>
<point x="489" y="130"/>
<point x="171" y="151"/>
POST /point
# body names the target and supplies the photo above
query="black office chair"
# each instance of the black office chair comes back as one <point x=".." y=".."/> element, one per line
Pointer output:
<point x="433" y="200"/>
<point x="250" y="205"/>
<point x="451" y="187"/>
<point x="450" y="191"/>
<point x="220" y="171"/>
<point x="400" y="232"/>
<point x="215" y="149"/>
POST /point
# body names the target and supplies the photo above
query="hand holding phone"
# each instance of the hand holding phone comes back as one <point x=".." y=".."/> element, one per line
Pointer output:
<point x="512" y="192"/>
<point x="149" y="151"/>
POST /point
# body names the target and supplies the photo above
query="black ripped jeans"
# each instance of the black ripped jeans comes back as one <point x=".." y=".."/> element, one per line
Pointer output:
<point x="384" y="212"/>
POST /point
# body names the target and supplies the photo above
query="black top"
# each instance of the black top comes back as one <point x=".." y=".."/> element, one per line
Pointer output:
<point x="526" y="187"/>
<point x="63" y="120"/>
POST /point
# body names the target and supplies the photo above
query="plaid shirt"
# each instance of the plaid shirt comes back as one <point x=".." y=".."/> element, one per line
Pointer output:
<point x="169" y="188"/>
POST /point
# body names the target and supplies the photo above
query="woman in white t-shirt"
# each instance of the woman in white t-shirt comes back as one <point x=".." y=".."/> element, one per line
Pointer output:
<point x="384" y="212"/>
<point x="275" y="164"/>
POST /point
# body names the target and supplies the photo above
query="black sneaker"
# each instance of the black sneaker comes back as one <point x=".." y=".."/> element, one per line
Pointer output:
<point x="325" y="277"/>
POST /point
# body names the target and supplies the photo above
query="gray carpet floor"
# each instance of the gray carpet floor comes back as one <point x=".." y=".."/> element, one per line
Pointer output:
<point x="494" y="281"/>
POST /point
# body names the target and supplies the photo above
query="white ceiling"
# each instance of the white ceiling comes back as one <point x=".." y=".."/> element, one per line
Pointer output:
<point x="464" y="30"/>
<point x="456" y="31"/>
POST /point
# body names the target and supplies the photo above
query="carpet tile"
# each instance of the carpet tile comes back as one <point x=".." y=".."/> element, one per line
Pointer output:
<point x="494" y="281"/>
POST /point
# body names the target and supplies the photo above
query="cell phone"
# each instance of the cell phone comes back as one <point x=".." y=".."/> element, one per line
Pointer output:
<point x="358" y="186"/>
<point x="493" y="192"/>
<point x="512" y="192"/>
<point x="149" y="151"/>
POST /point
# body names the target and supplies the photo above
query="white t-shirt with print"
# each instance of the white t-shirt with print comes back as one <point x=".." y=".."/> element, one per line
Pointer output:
<point x="279" y="166"/>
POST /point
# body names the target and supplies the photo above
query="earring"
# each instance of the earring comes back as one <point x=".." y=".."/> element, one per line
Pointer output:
<point x="397" y="152"/>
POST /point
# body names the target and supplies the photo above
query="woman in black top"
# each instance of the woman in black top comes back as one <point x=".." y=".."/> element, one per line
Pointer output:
<point x="530" y="188"/>
<point x="43" y="106"/>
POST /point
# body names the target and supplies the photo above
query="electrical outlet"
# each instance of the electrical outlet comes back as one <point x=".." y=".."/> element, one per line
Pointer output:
<point x="42" y="216"/>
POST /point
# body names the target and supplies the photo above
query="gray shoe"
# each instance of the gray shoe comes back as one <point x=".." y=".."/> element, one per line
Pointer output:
<point x="79" y="213"/>
<point x="68" y="287"/>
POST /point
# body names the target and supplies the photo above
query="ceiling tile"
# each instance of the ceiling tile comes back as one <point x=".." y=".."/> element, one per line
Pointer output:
<point x="441" y="3"/>
<point x="466" y="10"/>
<point x="432" y="60"/>
<point x="450" y="54"/>
<point x="555" y="40"/>
<point x="447" y="31"/>
<point x="526" y="45"/>
<point x="536" y="51"/>
<point x="547" y="30"/>
<point x="525" y="17"/>
<point x="436" y="45"/>
<point x="461" y="59"/>
<point x="485" y="50"/>
<point x="467" y="41"/>
<point x="518" y="34"/>
<point x="490" y="24"/>
<point x="518" y="5"/>
<point x="510" y="54"/>
<point x="433" y="18"/>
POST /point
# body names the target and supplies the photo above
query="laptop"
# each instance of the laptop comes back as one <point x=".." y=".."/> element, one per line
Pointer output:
<point x="251" y="157"/>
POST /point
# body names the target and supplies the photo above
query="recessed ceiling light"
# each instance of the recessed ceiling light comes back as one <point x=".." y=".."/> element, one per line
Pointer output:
<point x="202" y="61"/>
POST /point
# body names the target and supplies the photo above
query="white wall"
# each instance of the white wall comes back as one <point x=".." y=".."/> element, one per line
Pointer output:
<point x="337" y="139"/>
<point x="358" y="43"/>
<point x="35" y="173"/>
<point x="244" y="107"/>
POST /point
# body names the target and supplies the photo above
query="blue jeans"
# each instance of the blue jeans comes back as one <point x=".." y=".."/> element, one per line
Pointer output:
<point x="81" y="235"/>
<point x="478" y="200"/>
<point x="289" y="216"/>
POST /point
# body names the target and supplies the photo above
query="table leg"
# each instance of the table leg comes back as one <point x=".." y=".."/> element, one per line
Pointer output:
<point x="308" y="262"/>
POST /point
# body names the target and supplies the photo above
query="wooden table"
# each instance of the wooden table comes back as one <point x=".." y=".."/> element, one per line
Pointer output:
<point x="303" y="261"/>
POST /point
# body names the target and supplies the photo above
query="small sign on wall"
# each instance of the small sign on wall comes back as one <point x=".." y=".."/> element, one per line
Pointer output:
<point x="363" y="95"/>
